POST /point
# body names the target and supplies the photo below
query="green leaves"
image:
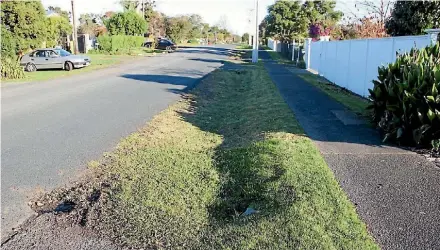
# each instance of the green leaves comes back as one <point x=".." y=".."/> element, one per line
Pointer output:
<point x="127" y="23"/>
<point x="406" y="99"/>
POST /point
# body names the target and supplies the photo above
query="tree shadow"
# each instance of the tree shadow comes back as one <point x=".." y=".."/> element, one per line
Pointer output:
<point x="249" y="170"/>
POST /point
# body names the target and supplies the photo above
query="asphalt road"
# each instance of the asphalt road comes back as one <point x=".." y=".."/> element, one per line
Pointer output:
<point x="50" y="130"/>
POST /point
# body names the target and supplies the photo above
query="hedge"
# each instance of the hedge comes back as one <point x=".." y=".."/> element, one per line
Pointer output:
<point x="119" y="43"/>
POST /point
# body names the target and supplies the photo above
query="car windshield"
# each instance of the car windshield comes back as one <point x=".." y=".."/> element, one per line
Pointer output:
<point x="62" y="52"/>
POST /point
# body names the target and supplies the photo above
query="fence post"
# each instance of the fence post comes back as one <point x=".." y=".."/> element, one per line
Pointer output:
<point x="293" y="50"/>
<point x="433" y="35"/>
<point x="307" y="45"/>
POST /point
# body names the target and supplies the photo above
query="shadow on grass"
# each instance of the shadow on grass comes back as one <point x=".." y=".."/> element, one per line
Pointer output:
<point x="248" y="163"/>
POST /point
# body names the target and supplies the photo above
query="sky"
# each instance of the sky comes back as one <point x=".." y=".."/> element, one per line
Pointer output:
<point x="237" y="12"/>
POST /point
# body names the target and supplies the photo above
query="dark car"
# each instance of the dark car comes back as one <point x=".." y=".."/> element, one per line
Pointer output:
<point x="163" y="44"/>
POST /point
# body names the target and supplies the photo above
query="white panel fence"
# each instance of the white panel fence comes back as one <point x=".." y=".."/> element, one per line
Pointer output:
<point x="274" y="45"/>
<point x="353" y="64"/>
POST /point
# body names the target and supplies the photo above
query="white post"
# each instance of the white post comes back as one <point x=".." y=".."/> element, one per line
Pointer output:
<point x="293" y="50"/>
<point x="255" y="51"/>
<point x="433" y="34"/>
<point x="307" y="46"/>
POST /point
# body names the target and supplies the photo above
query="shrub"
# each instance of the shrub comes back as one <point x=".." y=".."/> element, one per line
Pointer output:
<point x="10" y="69"/>
<point x="126" y="23"/>
<point x="8" y="43"/>
<point x="301" y="64"/>
<point x="119" y="43"/>
<point x="406" y="101"/>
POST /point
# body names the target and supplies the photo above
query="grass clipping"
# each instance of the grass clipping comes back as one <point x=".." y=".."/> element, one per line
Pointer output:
<point x="226" y="167"/>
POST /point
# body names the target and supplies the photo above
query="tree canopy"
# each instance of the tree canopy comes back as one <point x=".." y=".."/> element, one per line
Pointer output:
<point x="57" y="27"/>
<point x="126" y="23"/>
<point x="413" y="17"/>
<point x="289" y="20"/>
<point x="26" y="20"/>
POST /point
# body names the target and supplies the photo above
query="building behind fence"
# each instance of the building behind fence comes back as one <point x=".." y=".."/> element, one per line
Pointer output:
<point x="353" y="64"/>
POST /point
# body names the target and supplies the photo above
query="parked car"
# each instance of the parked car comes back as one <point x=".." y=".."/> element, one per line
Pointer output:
<point x="53" y="59"/>
<point x="163" y="44"/>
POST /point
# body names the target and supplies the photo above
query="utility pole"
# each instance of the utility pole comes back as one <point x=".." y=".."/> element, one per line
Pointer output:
<point x="75" y="37"/>
<point x="255" y="49"/>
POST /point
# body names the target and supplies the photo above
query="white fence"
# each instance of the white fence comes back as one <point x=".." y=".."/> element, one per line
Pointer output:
<point x="274" y="45"/>
<point x="353" y="64"/>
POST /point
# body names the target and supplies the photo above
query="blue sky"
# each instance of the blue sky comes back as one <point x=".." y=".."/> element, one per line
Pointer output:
<point x="238" y="12"/>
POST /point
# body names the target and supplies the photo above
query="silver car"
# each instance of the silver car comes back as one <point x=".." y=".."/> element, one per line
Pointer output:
<point x="53" y="59"/>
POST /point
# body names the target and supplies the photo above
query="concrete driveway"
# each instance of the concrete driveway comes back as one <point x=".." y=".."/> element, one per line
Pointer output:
<point x="50" y="130"/>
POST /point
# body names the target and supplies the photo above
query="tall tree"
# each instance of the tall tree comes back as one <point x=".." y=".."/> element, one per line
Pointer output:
<point x="245" y="38"/>
<point x="88" y="23"/>
<point x="223" y="22"/>
<point x="127" y="23"/>
<point x="178" y="28"/>
<point x="156" y="24"/>
<point x="286" y="20"/>
<point x="57" y="27"/>
<point x="413" y="17"/>
<point x="26" y="21"/>
<point x="59" y="11"/>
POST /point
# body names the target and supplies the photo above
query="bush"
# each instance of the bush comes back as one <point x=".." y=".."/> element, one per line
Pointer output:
<point x="8" y="43"/>
<point x="406" y="99"/>
<point x="119" y="43"/>
<point x="126" y="23"/>
<point x="10" y="69"/>
<point x="301" y="64"/>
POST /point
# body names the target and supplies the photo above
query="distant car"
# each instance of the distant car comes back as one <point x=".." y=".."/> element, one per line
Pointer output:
<point x="53" y="59"/>
<point x="163" y="44"/>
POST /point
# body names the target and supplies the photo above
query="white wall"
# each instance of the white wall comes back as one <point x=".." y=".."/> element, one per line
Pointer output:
<point x="353" y="64"/>
<point x="274" y="45"/>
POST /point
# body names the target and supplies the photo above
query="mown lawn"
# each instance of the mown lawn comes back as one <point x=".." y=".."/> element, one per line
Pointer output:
<point x="353" y="102"/>
<point x="232" y="145"/>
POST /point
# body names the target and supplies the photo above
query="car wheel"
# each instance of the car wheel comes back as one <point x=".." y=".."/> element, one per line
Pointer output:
<point x="30" y="67"/>
<point x="68" y="66"/>
<point x="148" y="46"/>
<point x="168" y="48"/>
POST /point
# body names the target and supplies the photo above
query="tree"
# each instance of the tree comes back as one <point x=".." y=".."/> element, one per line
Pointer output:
<point x="245" y="38"/>
<point x="60" y="12"/>
<point x="88" y="23"/>
<point x="413" y="17"/>
<point x="57" y="27"/>
<point x="129" y="5"/>
<point x="178" y="28"/>
<point x="223" y="22"/>
<point x="286" y="20"/>
<point x="197" y="26"/>
<point x="156" y="24"/>
<point x="379" y="11"/>
<point x="26" y="21"/>
<point x="126" y="23"/>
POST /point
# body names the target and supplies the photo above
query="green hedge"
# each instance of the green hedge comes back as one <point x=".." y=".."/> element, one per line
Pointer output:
<point x="119" y="43"/>
<point x="406" y="99"/>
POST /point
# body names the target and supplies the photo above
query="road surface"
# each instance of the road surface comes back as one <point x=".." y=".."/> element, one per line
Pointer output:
<point x="50" y="130"/>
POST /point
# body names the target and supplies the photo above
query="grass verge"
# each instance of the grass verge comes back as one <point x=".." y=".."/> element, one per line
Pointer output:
<point x="243" y="46"/>
<point x="98" y="61"/>
<point x="350" y="100"/>
<point x="227" y="167"/>
<point x="277" y="56"/>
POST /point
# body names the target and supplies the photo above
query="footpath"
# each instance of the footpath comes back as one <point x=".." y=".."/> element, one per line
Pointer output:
<point x="396" y="192"/>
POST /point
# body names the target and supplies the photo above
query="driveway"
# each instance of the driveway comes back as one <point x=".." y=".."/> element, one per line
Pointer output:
<point x="50" y="130"/>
